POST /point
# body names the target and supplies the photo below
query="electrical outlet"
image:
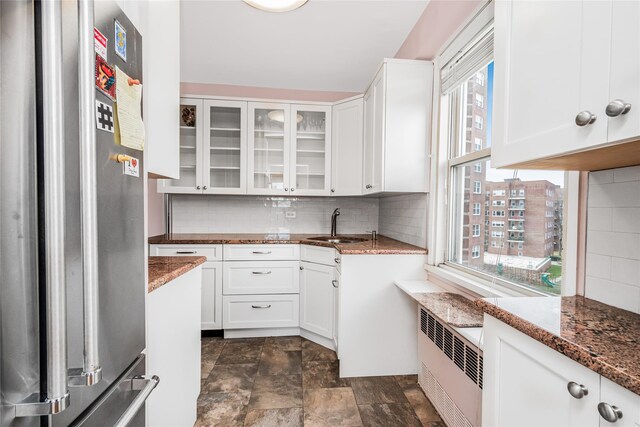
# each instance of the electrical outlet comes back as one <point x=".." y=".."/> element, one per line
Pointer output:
<point x="290" y="214"/>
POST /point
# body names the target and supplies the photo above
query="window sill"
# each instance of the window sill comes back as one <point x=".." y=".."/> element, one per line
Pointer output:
<point x="476" y="285"/>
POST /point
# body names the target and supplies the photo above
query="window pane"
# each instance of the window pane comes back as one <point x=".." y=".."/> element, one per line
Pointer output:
<point x="517" y="234"/>
<point x="475" y="103"/>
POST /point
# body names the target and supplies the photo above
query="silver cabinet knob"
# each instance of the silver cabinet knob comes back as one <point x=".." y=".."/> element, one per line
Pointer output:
<point x="333" y="190"/>
<point x="617" y="108"/>
<point x="197" y="187"/>
<point x="577" y="390"/>
<point x="609" y="412"/>
<point x="293" y="189"/>
<point x="286" y="189"/>
<point x="337" y="260"/>
<point x="334" y="283"/>
<point x="585" y="118"/>
<point x="368" y="186"/>
<point x="204" y="188"/>
<point x="301" y="268"/>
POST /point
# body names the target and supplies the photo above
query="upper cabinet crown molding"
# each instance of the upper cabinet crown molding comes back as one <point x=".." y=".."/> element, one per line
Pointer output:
<point x="571" y="89"/>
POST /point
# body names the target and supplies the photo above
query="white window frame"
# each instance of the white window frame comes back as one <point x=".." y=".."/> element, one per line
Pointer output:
<point x="475" y="251"/>
<point x="477" y="187"/>
<point x="479" y="100"/>
<point x="477" y="143"/>
<point x="479" y="206"/>
<point x="478" y="122"/>
<point x="466" y="280"/>
<point x="473" y="230"/>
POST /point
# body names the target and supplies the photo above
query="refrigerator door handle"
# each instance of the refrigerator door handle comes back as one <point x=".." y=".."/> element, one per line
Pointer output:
<point x="91" y="371"/>
<point x="146" y="385"/>
<point x="57" y="393"/>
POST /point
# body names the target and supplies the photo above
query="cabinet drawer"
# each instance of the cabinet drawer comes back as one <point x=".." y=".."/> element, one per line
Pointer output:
<point x="261" y="252"/>
<point x="260" y="311"/>
<point x="212" y="252"/>
<point x="318" y="254"/>
<point x="261" y="277"/>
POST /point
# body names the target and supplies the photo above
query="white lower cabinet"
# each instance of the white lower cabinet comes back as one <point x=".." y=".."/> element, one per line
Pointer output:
<point x="260" y="277"/>
<point x="617" y="400"/>
<point x="173" y="350"/>
<point x="260" y="311"/>
<point x="336" y="310"/>
<point x="211" y="310"/>
<point x="211" y="295"/>
<point x="316" y="298"/>
<point x="527" y="383"/>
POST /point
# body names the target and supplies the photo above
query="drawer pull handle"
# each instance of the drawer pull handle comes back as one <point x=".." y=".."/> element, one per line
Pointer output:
<point x="261" y="252"/>
<point x="261" y="306"/>
<point x="610" y="413"/>
<point x="334" y="283"/>
<point x="337" y="260"/>
<point x="186" y="252"/>
<point x="261" y="272"/>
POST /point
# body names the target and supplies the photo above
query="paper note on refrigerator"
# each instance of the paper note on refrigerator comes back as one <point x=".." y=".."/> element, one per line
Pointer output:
<point x="129" y="128"/>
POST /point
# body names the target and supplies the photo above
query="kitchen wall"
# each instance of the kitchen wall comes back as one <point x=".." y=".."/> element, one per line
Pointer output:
<point x="404" y="218"/>
<point x="613" y="238"/>
<point x="263" y="214"/>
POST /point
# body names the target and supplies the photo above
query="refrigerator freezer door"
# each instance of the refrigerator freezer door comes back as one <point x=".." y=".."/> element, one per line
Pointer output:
<point x="120" y="199"/>
<point x="19" y="342"/>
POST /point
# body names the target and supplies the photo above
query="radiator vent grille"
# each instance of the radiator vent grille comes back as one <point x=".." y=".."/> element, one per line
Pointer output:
<point x="450" y="413"/>
<point x="465" y="358"/>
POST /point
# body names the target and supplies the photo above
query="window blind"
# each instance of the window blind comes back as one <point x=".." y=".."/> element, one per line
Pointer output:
<point x="471" y="59"/>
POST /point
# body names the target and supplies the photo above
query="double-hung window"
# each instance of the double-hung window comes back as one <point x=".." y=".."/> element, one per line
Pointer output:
<point x="520" y="257"/>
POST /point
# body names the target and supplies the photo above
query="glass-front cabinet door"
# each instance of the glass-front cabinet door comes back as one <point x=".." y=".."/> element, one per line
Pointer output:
<point x="191" y="122"/>
<point x="269" y="130"/>
<point x="310" y="150"/>
<point x="224" y="154"/>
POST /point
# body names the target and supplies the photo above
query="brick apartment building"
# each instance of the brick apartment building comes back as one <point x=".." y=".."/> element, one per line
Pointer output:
<point x="475" y="175"/>
<point x="524" y="217"/>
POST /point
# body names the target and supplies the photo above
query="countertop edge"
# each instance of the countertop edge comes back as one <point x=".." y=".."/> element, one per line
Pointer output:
<point x="580" y="354"/>
<point x="185" y="265"/>
<point x="342" y="250"/>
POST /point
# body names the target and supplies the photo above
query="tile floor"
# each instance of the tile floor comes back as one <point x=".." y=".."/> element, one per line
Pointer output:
<point x="290" y="381"/>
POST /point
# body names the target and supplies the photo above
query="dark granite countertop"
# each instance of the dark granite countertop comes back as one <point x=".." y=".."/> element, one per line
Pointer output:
<point x="453" y="309"/>
<point x="603" y="338"/>
<point x="163" y="269"/>
<point x="383" y="245"/>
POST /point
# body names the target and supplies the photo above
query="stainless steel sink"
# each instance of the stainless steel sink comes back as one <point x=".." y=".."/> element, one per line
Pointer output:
<point x="338" y="239"/>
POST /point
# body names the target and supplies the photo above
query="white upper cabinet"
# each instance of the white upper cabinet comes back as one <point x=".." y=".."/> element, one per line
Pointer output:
<point x="397" y="119"/>
<point x="346" y="151"/>
<point x="159" y="24"/>
<point x="191" y="118"/>
<point x="556" y="88"/>
<point x="269" y="148"/>
<point x="624" y="81"/>
<point x="224" y="154"/>
<point x="289" y="149"/>
<point x="310" y="169"/>
<point x="213" y="148"/>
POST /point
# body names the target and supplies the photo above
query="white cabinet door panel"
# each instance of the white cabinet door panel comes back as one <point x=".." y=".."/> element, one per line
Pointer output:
<point x="347" y="139"/>
<point x="525" y="383"/>
<point x="550" y="64"/>
<point x="316" y="298"/>
<point x="211" y="296"/>
<point x="626" y="401"/>
<point x="625" y="68"/>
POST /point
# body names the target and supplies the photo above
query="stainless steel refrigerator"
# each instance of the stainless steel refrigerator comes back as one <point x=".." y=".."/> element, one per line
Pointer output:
<point x="72" y="283"/>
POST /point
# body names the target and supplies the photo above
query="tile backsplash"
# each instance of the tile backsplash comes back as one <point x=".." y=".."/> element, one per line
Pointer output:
<point x="264" y="214"/>
<point x="613" y="238"/>
<point x="404" y="218"/>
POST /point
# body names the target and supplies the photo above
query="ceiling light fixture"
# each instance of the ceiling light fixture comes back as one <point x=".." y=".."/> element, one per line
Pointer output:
<point x="276" y="5"/>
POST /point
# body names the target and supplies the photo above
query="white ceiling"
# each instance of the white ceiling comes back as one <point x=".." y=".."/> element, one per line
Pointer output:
<point x="331" y="45"/>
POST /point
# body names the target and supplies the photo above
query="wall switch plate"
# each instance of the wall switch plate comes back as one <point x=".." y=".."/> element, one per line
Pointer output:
<point x="290" y="214"/>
